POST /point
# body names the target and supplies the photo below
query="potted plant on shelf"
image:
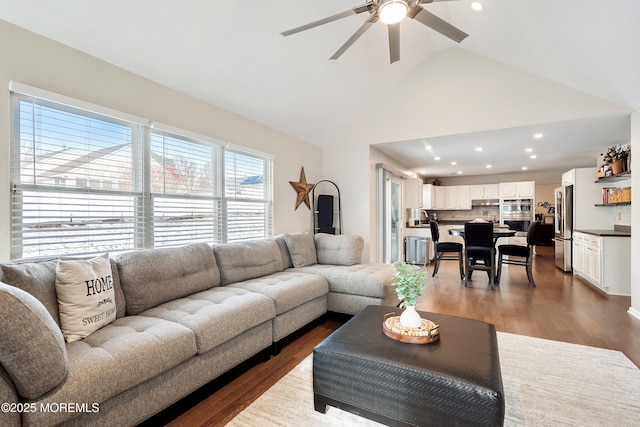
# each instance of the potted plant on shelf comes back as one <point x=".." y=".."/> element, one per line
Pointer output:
<point x="409" y="282"/>
<point x="616" y="157"/>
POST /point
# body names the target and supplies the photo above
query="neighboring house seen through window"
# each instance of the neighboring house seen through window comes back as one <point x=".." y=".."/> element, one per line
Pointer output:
<point x="87" y="183"/>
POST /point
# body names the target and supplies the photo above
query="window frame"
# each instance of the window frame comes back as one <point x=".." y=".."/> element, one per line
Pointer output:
<point x="142" y="194"/>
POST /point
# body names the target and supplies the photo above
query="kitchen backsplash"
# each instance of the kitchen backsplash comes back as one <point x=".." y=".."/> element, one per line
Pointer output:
<point x="622" y="216"/>
<point x="484" y="212"/>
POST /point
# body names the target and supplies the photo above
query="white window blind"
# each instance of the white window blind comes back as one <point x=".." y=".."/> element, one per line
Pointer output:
<point x="187" y="204"/>
<point x="75" y="182"/>
<point x="87" y="183"/>
<point x="248" y="197"/>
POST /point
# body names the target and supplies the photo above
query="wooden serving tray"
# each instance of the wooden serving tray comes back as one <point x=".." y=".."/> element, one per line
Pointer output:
<point x="427" y="333"/>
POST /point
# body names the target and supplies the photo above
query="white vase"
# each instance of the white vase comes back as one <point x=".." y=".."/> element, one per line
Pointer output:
<point x="410" y="318"/>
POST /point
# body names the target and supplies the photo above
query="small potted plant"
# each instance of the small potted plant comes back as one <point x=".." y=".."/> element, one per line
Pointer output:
<point x="616" y="156"/>
<point x="409" y="282"/>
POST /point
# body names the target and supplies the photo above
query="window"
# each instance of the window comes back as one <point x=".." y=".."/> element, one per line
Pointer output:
<point x="247" y="181"/>
<point x="187" y="204"/>
<point x="87" y="183"/>
<point x="58" y="161"/>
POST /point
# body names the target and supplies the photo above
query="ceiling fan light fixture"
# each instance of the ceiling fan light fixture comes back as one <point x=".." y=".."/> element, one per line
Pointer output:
<point x="392" y="11"/>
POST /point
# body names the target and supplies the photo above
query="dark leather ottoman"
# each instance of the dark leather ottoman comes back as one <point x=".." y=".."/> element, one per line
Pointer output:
<point x="454" y="381"/>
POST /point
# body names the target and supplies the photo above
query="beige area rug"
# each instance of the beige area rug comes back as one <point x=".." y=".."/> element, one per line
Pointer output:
<point x="546" y="383"/>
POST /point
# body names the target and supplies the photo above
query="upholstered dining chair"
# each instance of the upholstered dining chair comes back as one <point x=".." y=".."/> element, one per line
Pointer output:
<point x="445" y="250"/>
<point x="479" y="246"/>
<point x="519" y="254"/>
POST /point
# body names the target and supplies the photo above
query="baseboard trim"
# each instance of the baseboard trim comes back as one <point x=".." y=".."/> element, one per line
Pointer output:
<point x="635" y="313"/>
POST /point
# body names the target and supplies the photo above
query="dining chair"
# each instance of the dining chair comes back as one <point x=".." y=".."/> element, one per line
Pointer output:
<point x="445" y="250"/>
<point x="480" y="247"/>
<point x="519" y="254"/>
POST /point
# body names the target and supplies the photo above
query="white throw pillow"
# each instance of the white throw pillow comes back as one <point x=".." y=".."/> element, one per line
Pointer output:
<point x="86" y="298"/>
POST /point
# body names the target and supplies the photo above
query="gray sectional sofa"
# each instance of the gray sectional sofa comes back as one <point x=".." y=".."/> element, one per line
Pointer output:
<point x="184" y="316"/>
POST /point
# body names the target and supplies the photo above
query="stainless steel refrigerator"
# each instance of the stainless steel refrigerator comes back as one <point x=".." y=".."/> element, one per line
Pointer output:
<point x="563" y="227"/>
<point x="576" y="209"/>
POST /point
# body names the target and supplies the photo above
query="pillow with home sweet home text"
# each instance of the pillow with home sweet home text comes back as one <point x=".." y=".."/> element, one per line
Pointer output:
<point x="86" y="298"/>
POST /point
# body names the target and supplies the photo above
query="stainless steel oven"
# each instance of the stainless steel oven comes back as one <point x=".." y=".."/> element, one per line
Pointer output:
<point x="517" y="214"/>
<point x="518" y="224"/>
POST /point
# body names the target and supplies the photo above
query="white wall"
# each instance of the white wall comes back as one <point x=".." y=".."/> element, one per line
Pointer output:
<point x="453" y="91"/>
<point x="36" y="61"/>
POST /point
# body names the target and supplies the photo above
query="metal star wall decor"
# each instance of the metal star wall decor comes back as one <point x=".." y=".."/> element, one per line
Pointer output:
<point x="303" y="189"/>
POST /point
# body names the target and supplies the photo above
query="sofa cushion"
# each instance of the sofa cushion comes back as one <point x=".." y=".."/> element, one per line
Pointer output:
<point x="302" y="248"/>
<point x="38" y="277"/>
<point x="371" y="280"/>
<point x="284" y="251"/>
<point x="153" y="276"/>
<point x="125" y="353"/>
<point x="244" y="261"/>
<point x="339" y="249"/>
<point x="216" y="315"/>
<point x="32" y="349"/>
<point x="86" y="297"/>
<point x="288" y="289"/>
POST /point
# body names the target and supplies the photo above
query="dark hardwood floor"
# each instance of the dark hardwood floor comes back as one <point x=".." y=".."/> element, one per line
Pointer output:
<point x="562" y="307"/>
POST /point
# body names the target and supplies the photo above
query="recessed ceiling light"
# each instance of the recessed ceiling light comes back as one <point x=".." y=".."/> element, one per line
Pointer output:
<point x="459" y="172"/>
<point x="538" y="135"/>
<point x="437" y="158"/>
<point x="477" y="6"/>
<point x="533" y="156"/>
<point x="528" y="150"/>
<point x="454" y="163"/>
<point x="478" y="148"/>
<point x="489" y="166"/>
<point x="524" y="168"/>
<point x="427" y="147"/>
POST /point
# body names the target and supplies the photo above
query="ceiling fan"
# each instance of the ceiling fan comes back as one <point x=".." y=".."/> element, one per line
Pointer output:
<point x="390" y="12"/>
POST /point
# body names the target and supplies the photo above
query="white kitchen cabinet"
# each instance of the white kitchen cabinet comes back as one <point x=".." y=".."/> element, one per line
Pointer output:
<point x="604" y="261"/>
<point x="517" y="190"/>
<point x="413" y="193"/>
<point x="491" y="191"/>
<point x="457" y="197"/>
<point x="464" y="197"/>
<point x="451" y="201"/>
<point x="484" y="191"/>
<point x="428" y="196"/>
<point x="568" y="178"/>
<point x="476" y="192"/>
<point x="440" y="198"/>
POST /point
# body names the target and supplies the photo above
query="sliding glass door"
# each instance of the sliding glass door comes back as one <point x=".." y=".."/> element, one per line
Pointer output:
<point x="389" y="216"/>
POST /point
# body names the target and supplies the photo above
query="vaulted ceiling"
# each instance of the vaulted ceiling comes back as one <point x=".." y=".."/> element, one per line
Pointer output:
<point x="231" y="54"/>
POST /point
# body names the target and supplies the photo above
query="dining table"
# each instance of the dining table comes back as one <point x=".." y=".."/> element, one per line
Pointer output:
<point x="498" y="232"/>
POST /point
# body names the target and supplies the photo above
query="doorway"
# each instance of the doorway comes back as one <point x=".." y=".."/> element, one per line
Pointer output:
<point x="390" y="229"/>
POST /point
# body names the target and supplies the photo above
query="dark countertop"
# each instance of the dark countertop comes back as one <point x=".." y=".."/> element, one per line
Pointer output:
<point x="459" y="222"/>
<point x="605" y="233"/>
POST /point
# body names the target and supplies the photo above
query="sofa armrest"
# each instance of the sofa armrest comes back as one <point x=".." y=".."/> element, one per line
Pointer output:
<point x="33" y="351"/>
<point x="9" y="396"/>
<point x="339" y="249"/>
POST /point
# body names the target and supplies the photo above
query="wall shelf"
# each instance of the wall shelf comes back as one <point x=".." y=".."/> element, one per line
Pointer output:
<point x="613" y="195"/>
<point x="614" y="204"/>
<point x="613" y="178"/>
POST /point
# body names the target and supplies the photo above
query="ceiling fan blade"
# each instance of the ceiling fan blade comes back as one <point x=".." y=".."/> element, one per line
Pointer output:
<point x="435" y="23"/>
<point x="369" y="22"/>
<point x="394" y="42"/>
<point x="356" y="10"/>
